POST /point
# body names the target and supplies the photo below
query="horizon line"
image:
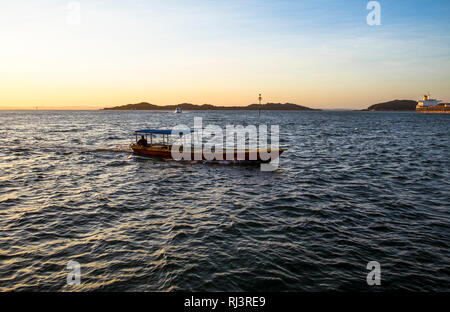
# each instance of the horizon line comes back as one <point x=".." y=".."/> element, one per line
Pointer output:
<point x="74" y="108"/>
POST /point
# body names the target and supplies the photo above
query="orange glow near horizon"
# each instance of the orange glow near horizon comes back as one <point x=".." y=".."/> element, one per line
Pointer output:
<point x="211" y="53"/>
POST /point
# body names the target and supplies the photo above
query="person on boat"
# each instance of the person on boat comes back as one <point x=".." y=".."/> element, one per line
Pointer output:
<point x="142" y="141"/>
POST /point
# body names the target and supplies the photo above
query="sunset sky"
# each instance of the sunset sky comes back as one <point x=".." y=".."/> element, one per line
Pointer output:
<point x="320" y="53"/>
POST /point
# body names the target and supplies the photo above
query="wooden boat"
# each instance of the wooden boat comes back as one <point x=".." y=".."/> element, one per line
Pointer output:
<point x="163" y="148"/>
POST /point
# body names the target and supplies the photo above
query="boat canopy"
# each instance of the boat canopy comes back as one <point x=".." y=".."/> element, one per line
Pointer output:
<point x="164" y="131"/>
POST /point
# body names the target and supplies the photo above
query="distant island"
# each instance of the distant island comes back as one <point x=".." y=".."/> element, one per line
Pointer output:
<point x="189" y="106"/>
<point x="396" y="105"/>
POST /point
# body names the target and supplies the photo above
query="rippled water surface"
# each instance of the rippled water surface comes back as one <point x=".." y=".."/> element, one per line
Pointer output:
<point x="353" y="187"/>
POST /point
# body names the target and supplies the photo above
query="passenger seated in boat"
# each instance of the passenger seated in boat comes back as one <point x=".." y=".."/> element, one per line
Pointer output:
<point x="142" y="141"/>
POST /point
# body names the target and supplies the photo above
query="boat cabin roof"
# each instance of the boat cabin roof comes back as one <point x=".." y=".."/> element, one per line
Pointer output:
<point x="164" y="131"/>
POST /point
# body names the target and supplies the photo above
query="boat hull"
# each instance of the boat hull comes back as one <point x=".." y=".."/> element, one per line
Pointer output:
<point x="433" y="109"/>
<point x="247" y="155"/>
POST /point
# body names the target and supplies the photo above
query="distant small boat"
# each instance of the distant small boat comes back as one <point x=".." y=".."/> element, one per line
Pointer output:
<point x="177" y="110"/>
<point x="163" y="148"/>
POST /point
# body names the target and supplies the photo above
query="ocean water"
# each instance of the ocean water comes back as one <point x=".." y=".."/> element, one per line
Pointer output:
<point x="353" y="187"/>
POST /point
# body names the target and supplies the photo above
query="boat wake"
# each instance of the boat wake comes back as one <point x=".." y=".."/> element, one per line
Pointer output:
<point x="118" y="148"/>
